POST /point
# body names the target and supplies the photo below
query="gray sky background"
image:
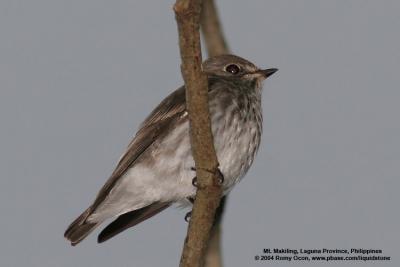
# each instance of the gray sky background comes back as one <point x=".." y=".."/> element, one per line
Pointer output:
<point x="78" y="77"/>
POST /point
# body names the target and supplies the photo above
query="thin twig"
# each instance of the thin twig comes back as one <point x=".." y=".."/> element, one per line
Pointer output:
<point x="209" y="190"/>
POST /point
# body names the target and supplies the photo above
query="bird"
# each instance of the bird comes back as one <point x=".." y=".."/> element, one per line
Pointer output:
<point x="157" y="169"/>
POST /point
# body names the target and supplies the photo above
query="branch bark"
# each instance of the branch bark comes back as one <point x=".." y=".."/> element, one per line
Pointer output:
<point x="208" y="195"/>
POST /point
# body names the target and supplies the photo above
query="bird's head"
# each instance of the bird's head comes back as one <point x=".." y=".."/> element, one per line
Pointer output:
<point x="234" y="67"/>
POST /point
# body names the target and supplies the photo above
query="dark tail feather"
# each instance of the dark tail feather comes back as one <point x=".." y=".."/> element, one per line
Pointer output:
<point x="79" y="228"/>
<point x="130" y="219"/>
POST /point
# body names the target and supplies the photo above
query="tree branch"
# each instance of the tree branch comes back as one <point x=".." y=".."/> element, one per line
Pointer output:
<point x="216" y="45"/>
<point x="213" y="256"/>
<point x="212" y="30"/>
<point x="187" y="13"/>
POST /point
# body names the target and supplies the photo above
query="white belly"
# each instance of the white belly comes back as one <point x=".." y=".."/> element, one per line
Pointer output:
<point x="169" y="176"/>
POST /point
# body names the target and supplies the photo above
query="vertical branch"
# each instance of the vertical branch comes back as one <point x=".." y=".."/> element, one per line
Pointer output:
<point x="213" y="256"/>
<point x="212" y="30"/>
<point x="187" y="13"/>
<point x="216" y="45"/>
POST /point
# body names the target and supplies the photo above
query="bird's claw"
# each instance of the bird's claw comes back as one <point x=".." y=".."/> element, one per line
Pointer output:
<point x="218" y="173"/>
<point x="187" y="216"/>
<point x="221" y="177"/>
<point x="194" y="182"/>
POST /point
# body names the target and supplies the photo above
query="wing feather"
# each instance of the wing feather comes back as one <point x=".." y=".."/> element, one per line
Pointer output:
<point x="156" y="124"/>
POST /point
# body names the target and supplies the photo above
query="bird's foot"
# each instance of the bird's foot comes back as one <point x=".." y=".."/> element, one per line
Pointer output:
<point x="218" y="173"/>
<point x="221" y="177"/>
<point x="187" y="216"/>
<point x="194" y="181"/>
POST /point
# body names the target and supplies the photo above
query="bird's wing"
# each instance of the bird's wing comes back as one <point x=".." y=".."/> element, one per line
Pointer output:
<point x="162" y="117"/>
<point x="130" y="219"/>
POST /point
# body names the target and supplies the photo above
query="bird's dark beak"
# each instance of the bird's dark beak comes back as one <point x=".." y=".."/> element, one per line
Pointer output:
<point x="267" y="72"/>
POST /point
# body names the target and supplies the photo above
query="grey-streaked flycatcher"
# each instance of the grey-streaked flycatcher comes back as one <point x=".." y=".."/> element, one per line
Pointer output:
<point x="157" y="167"/>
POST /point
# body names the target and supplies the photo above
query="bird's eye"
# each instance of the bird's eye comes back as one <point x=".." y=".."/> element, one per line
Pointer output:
<point x="232" y="68"/>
